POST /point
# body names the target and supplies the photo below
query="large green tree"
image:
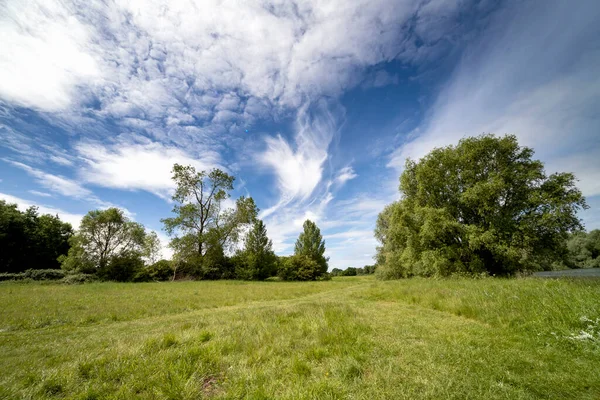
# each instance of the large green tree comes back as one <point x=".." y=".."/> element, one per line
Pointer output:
<point x="258" y="261"/>
<point x="106" y="240"/>
<point x="310" y="243"/>
<point x="482" y="206"/>
<point x="29" y="240"/>
<point x="202" y="228"/>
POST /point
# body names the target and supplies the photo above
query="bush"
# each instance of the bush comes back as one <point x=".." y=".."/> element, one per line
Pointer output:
<point x="12" y="276"/>
<point x="159" y="271"/>
<point x="299" y="268"/>
<point x="34" y="274"/>
<point x="75" y="279"/>
<point x="44" y="274"/>
<point x="122" y="268"/>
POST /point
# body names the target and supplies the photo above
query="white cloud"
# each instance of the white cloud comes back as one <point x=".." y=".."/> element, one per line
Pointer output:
<point x="345" y="174"/>
<point x="299" y="169"/>
<point x="40" y="194"/>
<point x="73" y="219"/>
<point x="534" y="74"/>
<point x="66" y="187"/>
<point x="142" y="58"/>
<point x="137" y="166"/>
<point x="55" y="183"/>
<point x="44" y="54"/>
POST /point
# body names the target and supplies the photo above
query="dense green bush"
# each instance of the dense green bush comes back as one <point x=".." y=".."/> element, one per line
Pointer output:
<point x="300" y="268"/>
<point x="44" y="274"/>
<point x="73" y="279"/>
<point x="34" y="274"/>
<point x="584" y="250"/>
<point x="11" y="276"/>
<point x="121" y="268"/>
<point x="159" y="271"/>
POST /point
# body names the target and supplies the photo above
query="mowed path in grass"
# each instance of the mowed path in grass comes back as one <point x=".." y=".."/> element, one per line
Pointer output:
<point x="347" y="338"/>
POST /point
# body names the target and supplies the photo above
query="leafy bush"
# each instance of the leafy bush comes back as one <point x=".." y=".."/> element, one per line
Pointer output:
<point x="44" y="274"/>
<point x="300" y="268"/>
<point x="74" y="279"/>
<point x="160" y="271"/>
<point x="12" y="276"/>
<point x="34" y="274"/>
<point x="122" y="268"/>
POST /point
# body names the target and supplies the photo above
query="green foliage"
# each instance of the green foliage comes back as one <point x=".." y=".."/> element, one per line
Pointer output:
<point x="201" y="229"/>
<point x="121" y="268"/>
<point x="310" y="243"/>
<point x="257" y="261"/>
<point x="481" y="206"/>
<point x="34" y="274"/>
<point x="74" y="279"/>
<point x="160" y="270"/>
<point x="107" y="243"/>
<point x="300" y="267"/>
<point x="29" y="240"/>
<point x="152" y="248"/>
<point x="584" y="249"/>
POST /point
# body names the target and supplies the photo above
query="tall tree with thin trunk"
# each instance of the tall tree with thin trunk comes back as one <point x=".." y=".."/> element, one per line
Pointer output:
<point x="202" y="227"/>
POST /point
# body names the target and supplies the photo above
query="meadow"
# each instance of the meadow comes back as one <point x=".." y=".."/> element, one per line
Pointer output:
<point x="348" y="338"/>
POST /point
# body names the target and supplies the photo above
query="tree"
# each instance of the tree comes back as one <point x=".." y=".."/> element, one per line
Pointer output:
<point x="258" y="259"/>
<point x="29" y="240"/>
<point x="202" y="229"/>
<point x="105" y="236"/>
<point x="152" y="248"/>
<point x="310" y="243"/>
<point x="482" y="206"/>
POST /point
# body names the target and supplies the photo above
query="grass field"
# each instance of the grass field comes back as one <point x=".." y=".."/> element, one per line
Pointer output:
<point x="350" y="338"/>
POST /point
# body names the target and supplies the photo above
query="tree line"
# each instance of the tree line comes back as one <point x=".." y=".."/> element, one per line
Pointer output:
<point x="484" y="206"/>
<point x="205" y="237"/>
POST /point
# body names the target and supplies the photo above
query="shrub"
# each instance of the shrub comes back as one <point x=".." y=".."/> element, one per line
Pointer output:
<point x="35" y="275"/>
<point x="160" y="271"/>
<point x="300" y="268"/>
<point x="121" y="268"/>
<point x="75" y="279"/>
<point x="44" y="274"/>
<point x="12" y="276"/>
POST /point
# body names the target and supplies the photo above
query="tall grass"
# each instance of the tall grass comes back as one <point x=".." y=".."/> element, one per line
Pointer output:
<point x="347" y="338"/>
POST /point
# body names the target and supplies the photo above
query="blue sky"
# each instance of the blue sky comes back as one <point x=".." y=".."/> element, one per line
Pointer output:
<point x="312" y="105"/>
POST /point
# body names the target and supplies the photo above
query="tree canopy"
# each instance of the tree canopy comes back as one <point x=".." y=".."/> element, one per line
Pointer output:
<point x="482" y="206"/>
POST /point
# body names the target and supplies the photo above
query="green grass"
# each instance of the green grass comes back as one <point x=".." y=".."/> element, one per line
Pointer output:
<point x="347" y="338"/>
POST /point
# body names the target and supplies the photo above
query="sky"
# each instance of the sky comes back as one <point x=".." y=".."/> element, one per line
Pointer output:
<point x="313" y="105"/>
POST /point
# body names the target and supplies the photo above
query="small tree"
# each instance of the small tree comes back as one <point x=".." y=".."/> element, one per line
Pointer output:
<point x="258" y="258"/>
<point x="104" y="236"/>
<point x="310" y="243"/>
<point x="202" y="230"/>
